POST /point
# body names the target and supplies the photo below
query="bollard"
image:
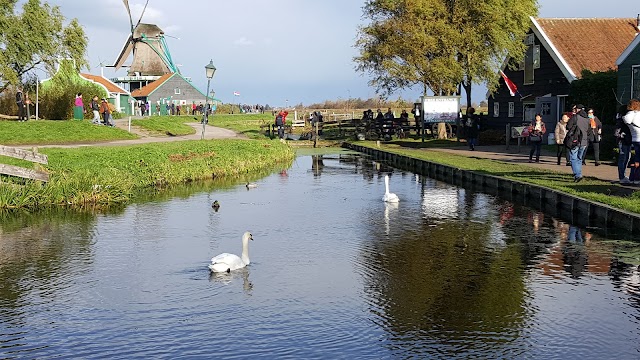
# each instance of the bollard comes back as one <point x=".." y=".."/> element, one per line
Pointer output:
<point x="129" y="123"/>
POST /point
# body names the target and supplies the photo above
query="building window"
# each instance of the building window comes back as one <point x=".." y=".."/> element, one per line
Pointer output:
<point x="176" y="91"/>
<point x="635" y="81"/>
<point x="512" y="109"/>
<point x="531" y="59"/>
<point x="496" y="109"/>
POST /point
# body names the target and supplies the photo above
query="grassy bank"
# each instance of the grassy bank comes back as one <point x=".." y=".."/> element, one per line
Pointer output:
<point x="247" y="124"/>
<point x="41" y="132"/>
<point x="591" y="189"/>
<point x="167" y="125"/>
<point x="116" y="175"/>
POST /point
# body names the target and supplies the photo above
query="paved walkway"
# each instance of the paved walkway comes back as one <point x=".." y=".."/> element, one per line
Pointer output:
<point x="548" y="161"/>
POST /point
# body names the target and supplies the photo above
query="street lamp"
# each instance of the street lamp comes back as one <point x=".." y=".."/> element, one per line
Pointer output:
<point x="210" y="70"/>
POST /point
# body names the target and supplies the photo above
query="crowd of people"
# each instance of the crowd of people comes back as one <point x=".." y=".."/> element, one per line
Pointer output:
<point x="580" y="129"/>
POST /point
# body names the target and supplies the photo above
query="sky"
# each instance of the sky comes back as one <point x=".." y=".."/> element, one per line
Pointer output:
<point x="276" y="52"/>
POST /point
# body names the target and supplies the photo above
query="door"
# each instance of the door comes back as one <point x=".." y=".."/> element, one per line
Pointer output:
<point x="547" y="106"/>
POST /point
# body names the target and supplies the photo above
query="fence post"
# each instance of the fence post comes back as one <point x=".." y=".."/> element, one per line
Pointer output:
<point x="508" y="137"/>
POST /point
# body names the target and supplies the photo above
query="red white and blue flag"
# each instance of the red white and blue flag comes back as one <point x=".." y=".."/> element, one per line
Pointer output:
<point x="235" y="93"/>
<point x="513" y="89"/>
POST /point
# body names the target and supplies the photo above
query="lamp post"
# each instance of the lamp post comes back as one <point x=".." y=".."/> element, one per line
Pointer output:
<point x="210" y="69"/>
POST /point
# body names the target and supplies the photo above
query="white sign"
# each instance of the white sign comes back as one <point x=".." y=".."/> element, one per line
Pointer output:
<point x="441" y="109"/>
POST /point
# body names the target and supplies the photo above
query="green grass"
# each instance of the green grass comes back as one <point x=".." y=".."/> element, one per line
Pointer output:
<point x="247" y="124"/>
<point x="591" y="189"/>
<point x="103" y="176"/>
<point x="167" y="125"/>
<point x="42" y="132"/>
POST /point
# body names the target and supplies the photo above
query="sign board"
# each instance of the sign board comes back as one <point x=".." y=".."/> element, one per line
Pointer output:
<point x="437" y="109"/>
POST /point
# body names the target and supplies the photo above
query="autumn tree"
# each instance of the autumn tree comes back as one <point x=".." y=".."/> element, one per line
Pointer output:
<point x="36" y="37"/>
<point x="439" y="44"/>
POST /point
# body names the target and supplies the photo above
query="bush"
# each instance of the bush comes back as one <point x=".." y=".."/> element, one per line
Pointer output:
<point x="57" y="95"/>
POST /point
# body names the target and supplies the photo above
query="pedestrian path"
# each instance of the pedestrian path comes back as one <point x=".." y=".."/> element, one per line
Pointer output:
<point x="548" y="161"/>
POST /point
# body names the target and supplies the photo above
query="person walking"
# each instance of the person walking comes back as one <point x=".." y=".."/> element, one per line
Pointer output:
<point x="560" y="133"/>
<point x="632" y="119"/>
<point x="106" y="112"/>
<point x="95" y="107"/>
<point x="622" y="134"/>
<point x="20" y="103"/>
<point x="537" y="129"/>
<point x="281" y="120"/>
<point x="594" y="136"/>
<point x="578" y="124"/>
<point x="78" y="107"/>
<point x="471" y="128"/>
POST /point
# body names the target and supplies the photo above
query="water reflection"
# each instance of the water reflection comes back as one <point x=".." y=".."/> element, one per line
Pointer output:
<point x="233" y="278"/>
<point x="446" y="273"/>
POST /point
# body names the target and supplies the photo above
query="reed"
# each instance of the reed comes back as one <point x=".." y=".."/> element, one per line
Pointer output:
<point x="106" y="176"/>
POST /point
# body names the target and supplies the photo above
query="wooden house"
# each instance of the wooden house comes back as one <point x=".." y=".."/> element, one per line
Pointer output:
<point x="629" y="71"/>
<point x="558" y="50"/>
<point x="118" y="96"/>
<point x="170" y="88"/>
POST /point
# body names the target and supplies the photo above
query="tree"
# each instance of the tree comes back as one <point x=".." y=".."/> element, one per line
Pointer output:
<point x="408" y="44"/>
<point x="597" y="90"/>
<point x="440" y="43"/>
<point x="36" y="37"/>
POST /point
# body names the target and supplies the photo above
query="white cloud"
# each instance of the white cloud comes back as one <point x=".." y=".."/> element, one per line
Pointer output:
<point x="243" y="41"/>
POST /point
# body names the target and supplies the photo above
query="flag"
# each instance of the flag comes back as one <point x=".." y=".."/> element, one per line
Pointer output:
<point x="235" y="93"/>
<point x="513" y="89"/>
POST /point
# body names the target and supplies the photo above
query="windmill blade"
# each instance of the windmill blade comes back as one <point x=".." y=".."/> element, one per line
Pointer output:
<point x="126" y="5"/>
<point x="142" y="14"/>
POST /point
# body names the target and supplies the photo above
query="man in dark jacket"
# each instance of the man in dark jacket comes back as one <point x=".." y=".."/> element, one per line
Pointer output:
<point x="20" y="104"/>
<point x="623" y="138"/>
<point x="580" y="120"/>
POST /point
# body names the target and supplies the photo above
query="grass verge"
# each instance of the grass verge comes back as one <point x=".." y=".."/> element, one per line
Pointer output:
<point x="167" y="125"/>
<point x="591" y="189"/>
<point x="41" y="132"/>
<point x="103" y="176"/>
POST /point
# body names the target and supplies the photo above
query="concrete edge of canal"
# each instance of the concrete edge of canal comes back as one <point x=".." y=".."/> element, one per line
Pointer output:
<point x="553" y="202"/>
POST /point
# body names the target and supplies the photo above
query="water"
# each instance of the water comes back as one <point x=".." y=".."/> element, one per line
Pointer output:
<point x="335" y="273"/>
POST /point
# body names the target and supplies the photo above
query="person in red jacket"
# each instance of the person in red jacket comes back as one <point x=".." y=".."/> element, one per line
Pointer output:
<point x="281" y="120"/>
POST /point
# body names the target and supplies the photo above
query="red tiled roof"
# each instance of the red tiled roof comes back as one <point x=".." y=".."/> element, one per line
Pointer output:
<point x="111" y="87"/>
<point x="589" y="43"/>
<point x="147" y="90"/>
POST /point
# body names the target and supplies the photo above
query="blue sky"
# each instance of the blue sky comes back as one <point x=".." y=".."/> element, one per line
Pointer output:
<point x="273" y="52"/>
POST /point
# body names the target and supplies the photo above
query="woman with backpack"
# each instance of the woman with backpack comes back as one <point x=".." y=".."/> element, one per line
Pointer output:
<point x="537" y="129"/>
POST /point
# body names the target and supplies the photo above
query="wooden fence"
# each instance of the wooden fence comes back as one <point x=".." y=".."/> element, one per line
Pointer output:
<point x="27" y="155"/>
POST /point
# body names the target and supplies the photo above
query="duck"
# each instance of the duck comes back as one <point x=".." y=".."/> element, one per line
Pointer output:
<point x="389" y="196"/>
<point x="252" y="185"/>
<point x="215" y="205"/>
<point x="228" y="262"/>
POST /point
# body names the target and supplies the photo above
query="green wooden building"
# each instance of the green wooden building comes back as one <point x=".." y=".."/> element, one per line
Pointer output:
<point x="629" y="72"/>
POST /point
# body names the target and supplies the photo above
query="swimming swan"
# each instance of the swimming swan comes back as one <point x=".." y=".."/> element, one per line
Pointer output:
<point x="389" y="197"/>
<point x="227" y="262"/>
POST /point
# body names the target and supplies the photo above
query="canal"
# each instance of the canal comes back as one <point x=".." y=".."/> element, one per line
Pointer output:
<point x="335" y="273"/>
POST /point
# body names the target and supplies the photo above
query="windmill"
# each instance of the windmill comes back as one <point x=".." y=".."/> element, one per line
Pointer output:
<point x="151" y="55"/>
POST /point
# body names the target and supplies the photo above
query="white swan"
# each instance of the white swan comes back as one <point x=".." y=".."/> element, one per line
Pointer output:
<point x="388" y="196"/>
<point x="228" y="262"/>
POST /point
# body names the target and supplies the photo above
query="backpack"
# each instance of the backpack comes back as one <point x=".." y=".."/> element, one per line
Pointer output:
<point x="279" y="120"/>
<point x="573" y="138"/>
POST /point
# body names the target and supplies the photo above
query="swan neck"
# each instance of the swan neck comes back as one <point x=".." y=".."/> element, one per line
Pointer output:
<point x="386" y="184"/>
<point x="245" y="251"/>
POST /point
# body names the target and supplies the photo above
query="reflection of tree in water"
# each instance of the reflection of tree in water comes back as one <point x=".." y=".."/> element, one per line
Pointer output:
<point x="37" y="250"/>
<point x="435" y="282"/>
